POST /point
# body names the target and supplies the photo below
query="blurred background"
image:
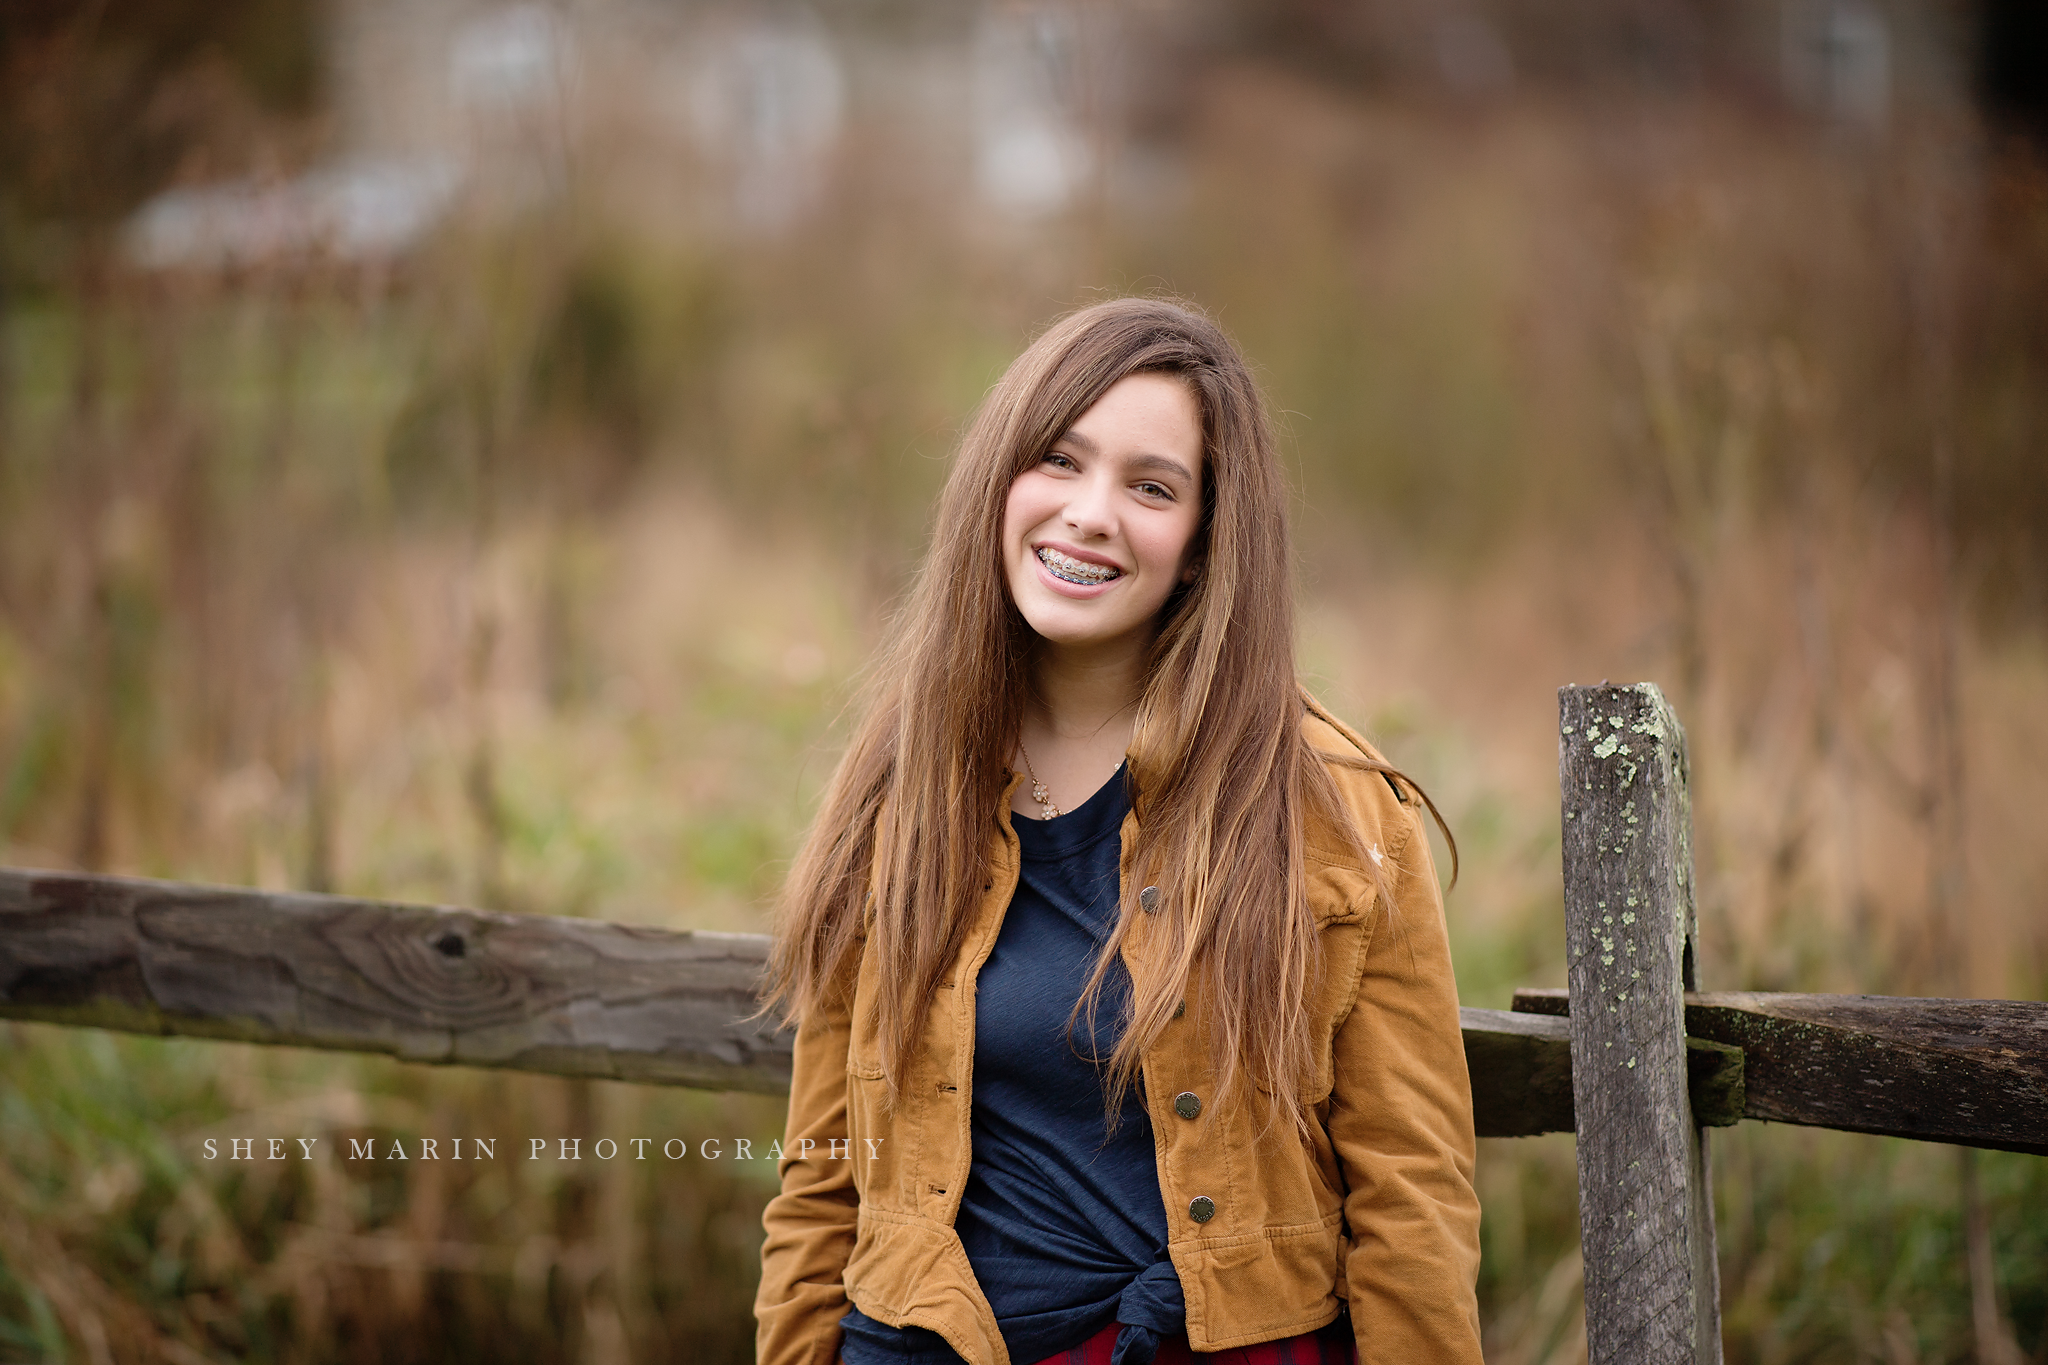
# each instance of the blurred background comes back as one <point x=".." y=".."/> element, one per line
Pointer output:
<point x="466" y="452"/>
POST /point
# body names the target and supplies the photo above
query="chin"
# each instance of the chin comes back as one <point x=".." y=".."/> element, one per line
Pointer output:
<point x="1068" y="633"/>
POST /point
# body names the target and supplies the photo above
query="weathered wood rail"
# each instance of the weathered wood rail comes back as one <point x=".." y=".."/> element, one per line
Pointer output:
<point x="569" y="997"/>
<point x="1633" y="1057"/>
<point x="1970" y="1072"/>
<point x="577" y="997"/>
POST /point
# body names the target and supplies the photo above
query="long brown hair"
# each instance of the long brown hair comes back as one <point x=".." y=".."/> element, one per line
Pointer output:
<point x="1224" y="782"/>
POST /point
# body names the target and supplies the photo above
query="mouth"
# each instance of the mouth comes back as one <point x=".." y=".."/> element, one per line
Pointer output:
<point x="1068" y="569"/>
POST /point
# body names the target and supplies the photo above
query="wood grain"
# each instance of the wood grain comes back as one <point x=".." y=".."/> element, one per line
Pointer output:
<point x="1521" y="1065"/>
<point x="427" y="984"/>
<point x="583" y="998"/>
<point x="525" y="992"/>
<point x="1970" y="1072"/>
<point x="1645" y="1208"/>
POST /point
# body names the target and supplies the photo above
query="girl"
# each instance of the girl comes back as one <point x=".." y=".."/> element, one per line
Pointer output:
<point x="1124" y="1009"/>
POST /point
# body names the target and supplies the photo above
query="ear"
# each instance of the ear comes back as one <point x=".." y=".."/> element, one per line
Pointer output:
<point x="1192" y="571"/>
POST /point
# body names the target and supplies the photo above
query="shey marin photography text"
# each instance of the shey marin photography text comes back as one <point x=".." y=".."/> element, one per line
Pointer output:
<point x="535" y="1149"/>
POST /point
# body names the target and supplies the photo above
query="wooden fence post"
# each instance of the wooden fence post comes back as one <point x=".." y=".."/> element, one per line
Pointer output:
<point x="1646" y="1211"/>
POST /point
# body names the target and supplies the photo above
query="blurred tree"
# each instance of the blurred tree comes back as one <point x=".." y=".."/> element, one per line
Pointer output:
<point x="1480" y="48"/>
<point x="101" y="104"/>
<point x="2012" y="62"/>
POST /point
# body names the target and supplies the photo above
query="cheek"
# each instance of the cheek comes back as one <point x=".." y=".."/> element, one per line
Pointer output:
<point x="1176" y="546"/>
<point x="1018" y="516"/>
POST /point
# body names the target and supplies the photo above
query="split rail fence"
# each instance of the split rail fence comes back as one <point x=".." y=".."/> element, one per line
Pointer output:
<point x="1633" y="1057"/>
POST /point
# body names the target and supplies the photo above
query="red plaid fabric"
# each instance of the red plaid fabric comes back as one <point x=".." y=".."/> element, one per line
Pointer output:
<point x="1332" y="1345"/>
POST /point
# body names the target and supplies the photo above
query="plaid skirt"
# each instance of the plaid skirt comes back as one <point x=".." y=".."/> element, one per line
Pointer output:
<point x="1331" y="1345"/>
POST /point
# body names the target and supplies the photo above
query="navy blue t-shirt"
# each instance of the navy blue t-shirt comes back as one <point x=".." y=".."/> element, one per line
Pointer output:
<point x="1061" y="1217"/>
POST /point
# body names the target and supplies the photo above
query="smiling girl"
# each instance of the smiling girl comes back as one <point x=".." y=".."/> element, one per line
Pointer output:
<point x="1125" y="1020"/>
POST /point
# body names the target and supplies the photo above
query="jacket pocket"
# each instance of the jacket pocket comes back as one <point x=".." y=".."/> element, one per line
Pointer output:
<point x="1333" y="994"/>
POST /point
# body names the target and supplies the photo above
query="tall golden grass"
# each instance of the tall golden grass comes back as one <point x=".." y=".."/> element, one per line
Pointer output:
<point x="538" y="577"/>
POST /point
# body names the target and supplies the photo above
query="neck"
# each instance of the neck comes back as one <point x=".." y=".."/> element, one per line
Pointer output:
<point x="1077" y="722"/>
<point x="1084" y="694"/>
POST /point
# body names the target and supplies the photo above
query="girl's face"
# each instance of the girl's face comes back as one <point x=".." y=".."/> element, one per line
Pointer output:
<point x="1098" y="535"/>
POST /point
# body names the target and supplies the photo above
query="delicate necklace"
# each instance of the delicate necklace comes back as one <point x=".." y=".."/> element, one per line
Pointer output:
<point x="1038" y="791"/>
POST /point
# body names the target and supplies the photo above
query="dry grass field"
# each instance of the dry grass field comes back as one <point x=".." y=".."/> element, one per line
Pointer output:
<point x="538" y="575"/>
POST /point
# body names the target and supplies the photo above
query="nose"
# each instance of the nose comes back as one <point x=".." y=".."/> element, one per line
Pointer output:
<point x="1091" y="508"/>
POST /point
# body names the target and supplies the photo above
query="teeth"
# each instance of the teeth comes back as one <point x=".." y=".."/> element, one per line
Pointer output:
<point x="1076" y="570"/>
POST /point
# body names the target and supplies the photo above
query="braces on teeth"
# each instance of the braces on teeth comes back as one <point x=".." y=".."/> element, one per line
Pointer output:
<point x="1072" y="570"/>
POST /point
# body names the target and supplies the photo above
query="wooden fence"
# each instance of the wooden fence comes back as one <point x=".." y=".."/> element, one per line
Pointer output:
<point x="1632" y="1057"/>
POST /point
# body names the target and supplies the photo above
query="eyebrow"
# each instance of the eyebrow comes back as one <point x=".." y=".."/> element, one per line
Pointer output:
<point x="1164" y="464"/>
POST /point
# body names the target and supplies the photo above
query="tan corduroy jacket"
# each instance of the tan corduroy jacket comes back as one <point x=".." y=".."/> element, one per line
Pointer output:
<point x="1271" y="1235"/>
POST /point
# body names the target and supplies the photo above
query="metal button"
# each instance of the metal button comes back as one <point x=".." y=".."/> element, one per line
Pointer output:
<point x="1180" y="1009"/>
<point x="1201" y="1208"/>
<point x="1148" y="900"/>
<point x="1187" y="1104"/>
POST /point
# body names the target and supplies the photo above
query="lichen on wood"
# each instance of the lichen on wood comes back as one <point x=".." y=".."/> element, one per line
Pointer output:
<point x="1645" y="1211"/>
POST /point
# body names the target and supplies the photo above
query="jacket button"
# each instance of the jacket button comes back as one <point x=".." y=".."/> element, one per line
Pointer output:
<point x="1180" y="1009"/>
<point x="1148" y="900"/>
<point x="1187" y="1104"/>
<point x="1201" y="1208"/>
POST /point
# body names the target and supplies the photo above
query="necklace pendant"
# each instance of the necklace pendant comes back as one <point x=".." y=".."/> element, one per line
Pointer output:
<point x="1038" y="791"/>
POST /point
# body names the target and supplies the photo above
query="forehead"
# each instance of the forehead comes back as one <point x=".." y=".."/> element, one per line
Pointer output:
<point x="1148" y="418"/>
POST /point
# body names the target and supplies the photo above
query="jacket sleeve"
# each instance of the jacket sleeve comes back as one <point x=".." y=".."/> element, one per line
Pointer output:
<point x="1400" y="1120"/>
<point x="811" y="1223"/>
